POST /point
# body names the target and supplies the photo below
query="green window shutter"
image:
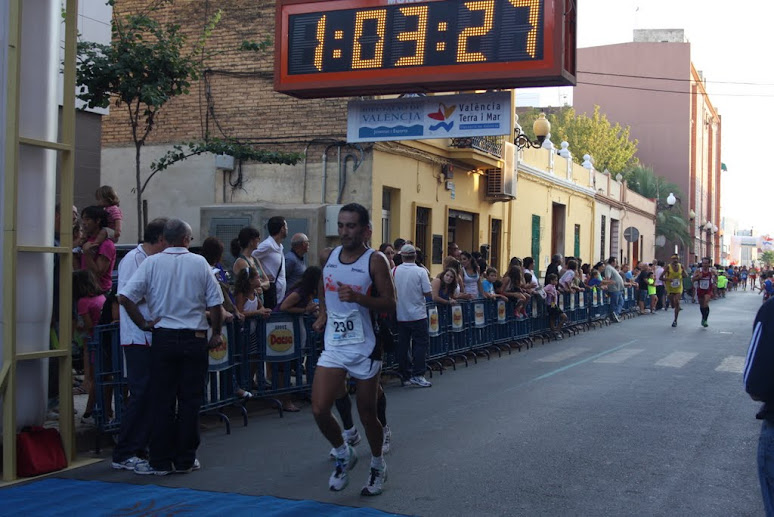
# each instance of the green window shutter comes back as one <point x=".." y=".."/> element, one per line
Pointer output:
<point x="577" y="241"/>
<point x="536" y="243"/>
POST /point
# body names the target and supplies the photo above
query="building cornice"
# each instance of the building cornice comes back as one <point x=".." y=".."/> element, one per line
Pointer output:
<point x="554" y="181"/>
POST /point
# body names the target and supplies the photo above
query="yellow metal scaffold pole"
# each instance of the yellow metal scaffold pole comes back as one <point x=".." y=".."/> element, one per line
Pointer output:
<point x="10" y="238"/>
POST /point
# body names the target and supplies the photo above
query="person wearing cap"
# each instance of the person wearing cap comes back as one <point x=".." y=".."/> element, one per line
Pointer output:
<point x="412" y="288"/>
<point x="672" y="277"/>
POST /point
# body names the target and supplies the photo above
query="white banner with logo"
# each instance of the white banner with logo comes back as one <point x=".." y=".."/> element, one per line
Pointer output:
<point x="280" y="339"/>
<point x="438" y="116"/>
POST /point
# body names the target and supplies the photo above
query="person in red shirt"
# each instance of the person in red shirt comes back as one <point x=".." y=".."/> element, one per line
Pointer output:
<point x="705" y="277"/>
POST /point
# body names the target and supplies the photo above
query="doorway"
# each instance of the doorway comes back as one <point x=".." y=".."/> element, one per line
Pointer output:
<point x="558" y="218"/>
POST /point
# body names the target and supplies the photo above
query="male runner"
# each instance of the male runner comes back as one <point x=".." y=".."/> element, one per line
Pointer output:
<point x="351" y="274"/>
<point x="673" y="282"/>
<point x="704" y="278"/>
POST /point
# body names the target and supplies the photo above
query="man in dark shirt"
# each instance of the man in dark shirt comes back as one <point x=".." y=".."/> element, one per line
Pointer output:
<point x="294" y="259"/>
<point x="553" y="267"/>
<point x="759" y="384"/>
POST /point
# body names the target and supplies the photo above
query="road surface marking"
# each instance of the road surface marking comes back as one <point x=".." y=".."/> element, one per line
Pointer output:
<point x="676" y="359"/>
<point x="732" y="363"/>
<point x="619" y="356"/>
<point x="563" y="355"/>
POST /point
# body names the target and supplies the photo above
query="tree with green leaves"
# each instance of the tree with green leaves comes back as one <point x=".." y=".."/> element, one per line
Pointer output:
<point x="767" y="257"/>
<point x="670" y="222"/>
<point x="610" y="145"/>
<point x="146" y="65"/>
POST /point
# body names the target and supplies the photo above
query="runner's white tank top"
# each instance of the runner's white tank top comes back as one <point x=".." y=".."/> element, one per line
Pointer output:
<point x="349" y="327"/>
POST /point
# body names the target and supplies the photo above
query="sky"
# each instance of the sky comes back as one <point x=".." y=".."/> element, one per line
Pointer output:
<point x="730" y="44"/>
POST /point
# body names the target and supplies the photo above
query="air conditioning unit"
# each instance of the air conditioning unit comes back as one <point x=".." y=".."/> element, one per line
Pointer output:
<point x="501" y="183"/>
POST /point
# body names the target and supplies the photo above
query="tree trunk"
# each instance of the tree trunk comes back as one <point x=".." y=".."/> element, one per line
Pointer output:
<point x="138" y="187"/>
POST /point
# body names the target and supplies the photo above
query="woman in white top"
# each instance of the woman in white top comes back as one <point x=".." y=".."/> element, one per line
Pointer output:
<point x="527" y="266"/>
<point x="471" y="278"/>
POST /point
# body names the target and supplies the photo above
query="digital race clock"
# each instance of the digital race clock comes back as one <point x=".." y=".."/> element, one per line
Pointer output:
<point x="363" y="47"/>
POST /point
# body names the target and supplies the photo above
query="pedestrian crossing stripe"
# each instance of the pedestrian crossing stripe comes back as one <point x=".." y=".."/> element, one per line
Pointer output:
<point x="619" y="356"/>
<point x="676" y="359"/>
<point x="564" y="354"/>
<point x="732" y="363"/>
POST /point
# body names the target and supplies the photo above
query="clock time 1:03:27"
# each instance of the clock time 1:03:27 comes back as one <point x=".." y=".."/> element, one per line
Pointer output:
<point x="413" y="35"/>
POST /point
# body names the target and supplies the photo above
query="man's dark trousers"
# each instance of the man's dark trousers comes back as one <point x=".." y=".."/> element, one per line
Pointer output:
<point x="179" y="362"/>
<point x="417" y="335"/>
<point x="136" y="421"/>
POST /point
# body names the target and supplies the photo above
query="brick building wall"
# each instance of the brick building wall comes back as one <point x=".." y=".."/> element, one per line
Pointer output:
<point x="234" y="98"/>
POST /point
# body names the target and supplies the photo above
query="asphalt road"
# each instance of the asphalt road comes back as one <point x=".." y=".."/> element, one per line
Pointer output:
<point x="632" y="419"/>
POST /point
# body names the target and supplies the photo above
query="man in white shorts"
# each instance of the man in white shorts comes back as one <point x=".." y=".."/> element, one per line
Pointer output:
<point x="357" y="283"/>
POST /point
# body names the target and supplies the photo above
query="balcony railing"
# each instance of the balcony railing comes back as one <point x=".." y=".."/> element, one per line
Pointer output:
<point x="488" y="144"/>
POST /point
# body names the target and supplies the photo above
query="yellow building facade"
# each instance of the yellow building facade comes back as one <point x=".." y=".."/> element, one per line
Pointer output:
<point x="434" y="193"/>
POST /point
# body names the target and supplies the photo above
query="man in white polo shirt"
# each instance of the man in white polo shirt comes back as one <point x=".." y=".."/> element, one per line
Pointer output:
<point x="412" y="288"/>
<point x="178" y="287"/>
<point x="136" y="420"/>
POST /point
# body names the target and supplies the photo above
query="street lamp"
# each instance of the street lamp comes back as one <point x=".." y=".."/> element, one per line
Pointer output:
<point x="670" y="202"/>
<point x="708" y="226"/>
<point x="541" y="128"/>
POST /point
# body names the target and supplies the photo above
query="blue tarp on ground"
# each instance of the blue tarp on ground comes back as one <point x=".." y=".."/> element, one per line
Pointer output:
<point x="85" y="498"/>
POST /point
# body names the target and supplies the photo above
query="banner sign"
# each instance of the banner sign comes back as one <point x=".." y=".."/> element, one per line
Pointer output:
<point x="420" y="118"/>
<point x="457" y="320"/>
<point x="434" y="327"/>
<point x="480" y="315"/>
<point x="501" y="317"/>
<point x="279" y="339"/>
<point x="218" y="357"/>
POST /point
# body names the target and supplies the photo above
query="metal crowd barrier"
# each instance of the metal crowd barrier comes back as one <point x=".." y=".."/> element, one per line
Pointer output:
<point x="276" y="356"/>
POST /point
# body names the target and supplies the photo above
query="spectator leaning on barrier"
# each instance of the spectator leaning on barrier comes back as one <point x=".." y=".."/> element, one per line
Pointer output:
<point x="759" y="384"/>
<point x="271" y="253"/>
<point x="615" y="286"/>
<point x="356" y="284"/>
<point x="137" y="421"/>
<point x="178" y="287"/>
<point x="295" y="264"/>
<point x="412" y="287"/>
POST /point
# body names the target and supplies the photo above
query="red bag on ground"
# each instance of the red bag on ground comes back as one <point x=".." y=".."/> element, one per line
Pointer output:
<point x="39" y="451"/>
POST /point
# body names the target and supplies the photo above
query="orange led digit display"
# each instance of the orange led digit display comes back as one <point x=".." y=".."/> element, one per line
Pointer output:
<point x="329" y="48"/>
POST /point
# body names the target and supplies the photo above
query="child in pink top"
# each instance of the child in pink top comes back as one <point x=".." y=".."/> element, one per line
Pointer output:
<point x="90" y="301"/>
<point x="107" y="199"/>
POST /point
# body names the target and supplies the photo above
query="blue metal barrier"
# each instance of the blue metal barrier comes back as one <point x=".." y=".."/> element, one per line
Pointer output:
<point x="278" y="362"/>
<point x="109" y="382"/>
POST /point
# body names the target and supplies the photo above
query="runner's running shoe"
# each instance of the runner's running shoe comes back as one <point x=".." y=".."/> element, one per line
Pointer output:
<point x="375" y="483"/>
<point x="340" y="477"/>
<point x="352" y="438"/>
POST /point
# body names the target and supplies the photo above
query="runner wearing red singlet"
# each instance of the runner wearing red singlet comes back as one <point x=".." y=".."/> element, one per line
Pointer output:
<point x="704" y="276"/>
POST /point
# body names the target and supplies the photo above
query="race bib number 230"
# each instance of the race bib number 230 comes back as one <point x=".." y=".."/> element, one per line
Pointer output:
<point x="345" y="329"/>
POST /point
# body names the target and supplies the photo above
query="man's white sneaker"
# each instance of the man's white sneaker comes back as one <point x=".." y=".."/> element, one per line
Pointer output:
<point x="196" y="466"/>
<point x="127" y="464"/>
<point x="387" y="439"/>
<point x="419" y="380"/>
<point x="143" y="468"/>
<point x="340" y="477"/>
<point x="375" y="483"/>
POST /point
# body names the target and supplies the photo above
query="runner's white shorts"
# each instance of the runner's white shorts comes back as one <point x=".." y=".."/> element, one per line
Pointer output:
<point x="358" y="366"/>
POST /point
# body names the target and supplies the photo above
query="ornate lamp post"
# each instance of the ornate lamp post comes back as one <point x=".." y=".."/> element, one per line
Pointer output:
<point x="541" y="128"/>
